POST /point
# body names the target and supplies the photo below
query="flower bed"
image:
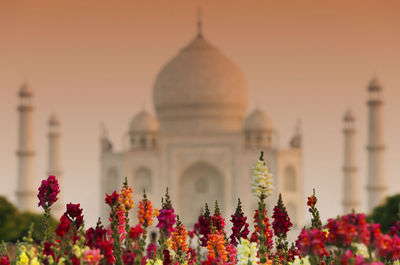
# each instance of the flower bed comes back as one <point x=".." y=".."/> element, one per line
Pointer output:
<point x="345" y="240"/>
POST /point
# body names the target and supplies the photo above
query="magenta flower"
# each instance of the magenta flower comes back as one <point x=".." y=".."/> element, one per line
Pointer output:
<point x="166" y="220"/>
<point x="48" y="192"/>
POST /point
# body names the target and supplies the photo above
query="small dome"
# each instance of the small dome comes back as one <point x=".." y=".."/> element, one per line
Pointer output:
<point x="348" y="116"/>
<point x="374" y="85"/>
<point x="144" y="122"/>
<point x="54" y="121"/>
<point x="257" y="121"/>
<point x="25" y="91"/>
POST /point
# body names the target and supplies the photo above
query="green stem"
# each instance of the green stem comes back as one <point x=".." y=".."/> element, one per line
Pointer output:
<point x="261" y="225"/>
<point x="46" y="220"/>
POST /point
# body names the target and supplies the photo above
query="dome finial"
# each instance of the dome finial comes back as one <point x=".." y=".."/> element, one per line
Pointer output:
<point x="199" y="22"/>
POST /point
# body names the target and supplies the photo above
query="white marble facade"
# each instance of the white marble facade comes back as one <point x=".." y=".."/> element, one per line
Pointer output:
<point x="201" y="145"/>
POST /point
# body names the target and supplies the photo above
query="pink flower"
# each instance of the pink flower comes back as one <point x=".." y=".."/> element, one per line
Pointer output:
<point x="121" y="224"/>
<point x="48" y="192"/>
<point x="92" y="256"/>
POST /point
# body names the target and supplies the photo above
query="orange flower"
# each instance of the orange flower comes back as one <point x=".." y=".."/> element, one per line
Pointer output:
<point x="156" y="212"/>
<point x="216" y="246"/>
<point x="179" y="239"/>
<point x="126" y="199"/>
<point x="145" y="213"/>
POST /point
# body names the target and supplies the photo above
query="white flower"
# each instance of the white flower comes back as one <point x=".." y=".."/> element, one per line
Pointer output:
<point x="261" y="180"/>
<point x="247" y="252"/>
<point x="361" y="249"/>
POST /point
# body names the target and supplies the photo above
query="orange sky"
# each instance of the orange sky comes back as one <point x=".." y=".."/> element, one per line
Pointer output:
<point x="96" y="60"/>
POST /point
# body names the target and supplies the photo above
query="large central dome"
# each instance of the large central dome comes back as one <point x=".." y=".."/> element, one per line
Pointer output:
<point x="200" y="91"/>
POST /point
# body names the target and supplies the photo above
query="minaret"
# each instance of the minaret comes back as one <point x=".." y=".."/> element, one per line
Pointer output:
<point x="26" y="189"/>
<point x="55" y="160"/>
<point x="376" y="187"/>
<point x="350" y="183"/>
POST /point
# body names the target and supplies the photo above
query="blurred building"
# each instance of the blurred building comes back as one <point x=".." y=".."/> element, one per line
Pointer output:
<point x="201" y="144"/>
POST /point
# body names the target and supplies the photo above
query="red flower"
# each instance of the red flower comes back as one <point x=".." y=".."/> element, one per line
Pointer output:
<point x="191" y="256"/>
<point x="312" y="242"/>
<point x="151" y="251"/>
<point x="107" y="250"/>
<point x="75" y="260"/>
<point x="47" y="249"/>
<point x="4" y="260"/>
<point x="167" y="257"/>
<point x="73" y="210"/>
<point x="112" y="199"/>
<point x="129" y="257"/>
<point x="267" y="230"/>
<point x="281" y="224"/>
<point x="48" y="192"/>
<point x="94" y="236"/>
<point x="63" y="226"/>
<point x="136" y="232"/>
<point x="202" y="227"/>
<point x="312" y="200"/>
<point x="239" y="225"/>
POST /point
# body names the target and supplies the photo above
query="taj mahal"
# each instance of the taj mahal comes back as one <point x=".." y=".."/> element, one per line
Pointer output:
<point x="201" y="145"/>
<point x="203" y="142"/>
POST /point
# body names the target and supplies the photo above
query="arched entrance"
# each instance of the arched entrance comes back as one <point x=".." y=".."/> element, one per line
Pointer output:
<point x="199" y="184"/>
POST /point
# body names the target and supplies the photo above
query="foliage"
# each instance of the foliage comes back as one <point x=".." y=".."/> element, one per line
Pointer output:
<point x="387" y="213"/>
<point x="14" y="225"/>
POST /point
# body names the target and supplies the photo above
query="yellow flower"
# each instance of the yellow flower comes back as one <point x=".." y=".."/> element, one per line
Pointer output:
<point x="156" y="212"/>
<point x="326" y="230"/>
<point x="31" y="252"/>
<point x="61" y="261"/>
<point x="302" y="261"/>
<point x="23" y="259"/>
<point x="152" y="262"/>
<point x="77" y="251"/>
<point x="35" y="261"/>
<point x="50" y="259"/>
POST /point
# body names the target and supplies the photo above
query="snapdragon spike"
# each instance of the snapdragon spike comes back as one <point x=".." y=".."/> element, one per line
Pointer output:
<point x="48" y="191"/>
<point x="166" y="217"/>
<point x="281" y="223"/>
<point x="261" y="184"/>
<point x="240" y="228"/>
<point x="203" y="226"/>
<point x="311" y="202"/>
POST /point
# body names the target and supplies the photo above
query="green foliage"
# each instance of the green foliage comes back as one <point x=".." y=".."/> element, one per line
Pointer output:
<point x="387" y="213"/>
<point x="14" y="225"/>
